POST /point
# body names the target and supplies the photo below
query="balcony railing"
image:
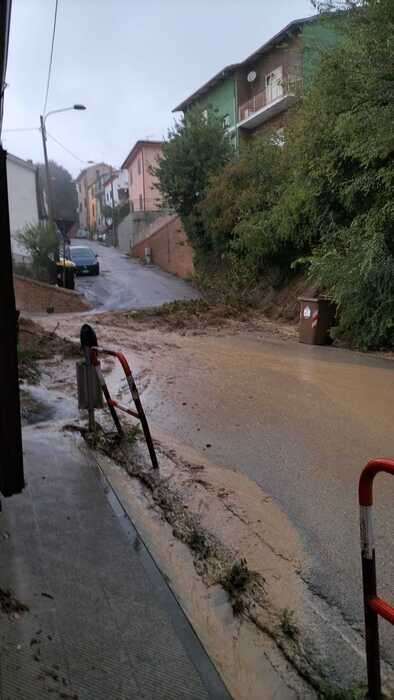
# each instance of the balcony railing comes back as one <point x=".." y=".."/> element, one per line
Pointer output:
<point x="266" y="97"/>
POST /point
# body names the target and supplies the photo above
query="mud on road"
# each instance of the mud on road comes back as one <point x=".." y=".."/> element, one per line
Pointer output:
<point x="191" y="389"/>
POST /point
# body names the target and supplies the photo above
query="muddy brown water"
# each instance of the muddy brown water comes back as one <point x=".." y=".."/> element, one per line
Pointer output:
<point x="300" y="421"/>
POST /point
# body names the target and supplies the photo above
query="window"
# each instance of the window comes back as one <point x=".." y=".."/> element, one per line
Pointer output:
<point x="97" y="174"/>
<point x="139" y="166"/>
<point x="131" y="176"/>
<point x="274" y="84"/>
<point x="141" y="202"/>
<point x="93" y="211"/>
<point x="80" y="206"/>
<point x="226" y="121"/>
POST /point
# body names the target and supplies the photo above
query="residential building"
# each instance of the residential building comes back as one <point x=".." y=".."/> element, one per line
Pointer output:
<point x="116" y="186"/>
<point x="257" y="93"/>
<point x="87" y="207"/>
<point x="22" y="179"/>
<point x="143" y="191"/>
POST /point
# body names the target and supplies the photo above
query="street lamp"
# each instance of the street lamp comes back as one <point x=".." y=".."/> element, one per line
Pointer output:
<point x="51" y="217"/>
<point x="43" y="119"/>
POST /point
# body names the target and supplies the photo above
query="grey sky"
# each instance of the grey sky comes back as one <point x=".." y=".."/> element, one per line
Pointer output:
<point x="129" y="61"/>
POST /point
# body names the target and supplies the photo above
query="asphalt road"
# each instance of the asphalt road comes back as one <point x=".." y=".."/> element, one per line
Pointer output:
<point x="302" y="421"/>
<point x="124" y="283"/>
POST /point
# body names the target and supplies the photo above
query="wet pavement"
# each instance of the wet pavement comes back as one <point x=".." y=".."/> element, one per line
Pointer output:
<point x="302" y="422"/>
<point x="100" y="620"/>
<point x="124" y="283"/>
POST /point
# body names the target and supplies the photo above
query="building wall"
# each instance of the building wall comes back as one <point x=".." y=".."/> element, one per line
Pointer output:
<point x="318" y="37"/>
<point x="289" y="55"/>
<point x="120" y="182"/>
<point x="170" y="248"/>
<point x="221" y="98"/>
<point x="151" y="154"/>
<point x="136" y="227"/>
<point x="143" y="192"/>
<point x="84" y="186"/>
<point x="36" y="297"/>
<point x="22" y="199"/>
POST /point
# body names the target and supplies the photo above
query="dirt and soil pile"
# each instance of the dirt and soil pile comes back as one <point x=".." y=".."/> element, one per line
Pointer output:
<point x="196" y="317"/>
<point x="35" y="343"/>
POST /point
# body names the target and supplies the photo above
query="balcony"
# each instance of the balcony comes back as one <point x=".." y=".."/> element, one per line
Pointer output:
<point x="266" y="104"/>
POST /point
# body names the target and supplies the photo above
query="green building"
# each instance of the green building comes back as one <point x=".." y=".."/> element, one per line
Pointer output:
<point x="257" y="93"/>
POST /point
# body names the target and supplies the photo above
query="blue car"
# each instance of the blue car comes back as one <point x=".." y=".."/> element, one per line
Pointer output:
<point x="85" y="260"/>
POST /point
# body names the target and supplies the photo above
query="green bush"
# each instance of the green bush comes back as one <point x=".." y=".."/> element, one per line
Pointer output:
<point x="42" y="243"/>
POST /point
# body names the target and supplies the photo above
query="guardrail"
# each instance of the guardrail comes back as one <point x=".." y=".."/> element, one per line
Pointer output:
<point x="374" y="606"/>
<point x="92" y="350"/>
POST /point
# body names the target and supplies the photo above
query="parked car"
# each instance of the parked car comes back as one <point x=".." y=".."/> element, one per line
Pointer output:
<point x="85" y="260"/>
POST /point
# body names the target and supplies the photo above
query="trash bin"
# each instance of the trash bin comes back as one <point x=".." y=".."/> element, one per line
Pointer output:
<point x="70" y="273"/>
<point x="317" y="316"/>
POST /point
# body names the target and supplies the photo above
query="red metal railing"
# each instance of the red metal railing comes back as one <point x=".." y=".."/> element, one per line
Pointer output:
<point x="373" y="605"/>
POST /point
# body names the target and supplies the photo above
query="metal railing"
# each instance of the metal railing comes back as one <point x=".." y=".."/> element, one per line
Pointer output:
<point x="374" y="606"/>
<point x="266" y="97"/>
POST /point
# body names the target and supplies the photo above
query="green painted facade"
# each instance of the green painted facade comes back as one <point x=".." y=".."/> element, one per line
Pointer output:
<point x="222" y="101"/>
<point x="317" y="37"/>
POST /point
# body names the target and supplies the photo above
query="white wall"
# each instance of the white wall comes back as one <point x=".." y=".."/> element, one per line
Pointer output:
<point x="121" y="181"/>
<point x="22" y="199"/>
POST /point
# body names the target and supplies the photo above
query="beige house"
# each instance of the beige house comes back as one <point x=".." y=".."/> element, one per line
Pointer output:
<point x="85" y="184"/>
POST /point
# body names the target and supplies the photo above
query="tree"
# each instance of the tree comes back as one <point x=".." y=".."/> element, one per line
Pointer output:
<point x="345" y="152"/>
<point x="64" y="194"/>
<point x="239" y="199"/>
<point x="42" y="242"/>
<point x="197" y="147"/>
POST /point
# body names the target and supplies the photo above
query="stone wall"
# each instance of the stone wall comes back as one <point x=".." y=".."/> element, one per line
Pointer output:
<point x="170" y="248"/>
<point x="37" y="297"/>
<point x="135" y="227"/>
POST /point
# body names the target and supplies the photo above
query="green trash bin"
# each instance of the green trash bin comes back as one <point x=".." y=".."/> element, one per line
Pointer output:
<point x="317" y="316"/>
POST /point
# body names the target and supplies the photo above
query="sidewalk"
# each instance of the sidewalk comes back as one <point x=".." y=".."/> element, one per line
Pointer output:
<point x="101" y="621"/>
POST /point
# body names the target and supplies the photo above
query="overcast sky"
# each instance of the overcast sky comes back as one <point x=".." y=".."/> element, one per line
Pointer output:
<point x="129" y="61"/>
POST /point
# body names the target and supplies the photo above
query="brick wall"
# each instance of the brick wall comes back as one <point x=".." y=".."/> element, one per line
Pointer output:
<point x="170" y="248"/>
<point x="37" y="297"/>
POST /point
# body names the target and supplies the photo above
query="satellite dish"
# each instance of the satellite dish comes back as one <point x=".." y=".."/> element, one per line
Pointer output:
<point x="252" y="76"/>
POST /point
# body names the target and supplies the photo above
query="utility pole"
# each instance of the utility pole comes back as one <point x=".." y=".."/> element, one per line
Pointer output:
<point x="114" y="231"/>
<point x="51" y="216"/>
<point x="47" y="176"/>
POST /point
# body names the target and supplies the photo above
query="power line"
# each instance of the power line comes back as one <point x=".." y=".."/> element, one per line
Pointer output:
<point x="65" y="148"/>
<point x="51" y="57"/>
<point x="30" y="128"/>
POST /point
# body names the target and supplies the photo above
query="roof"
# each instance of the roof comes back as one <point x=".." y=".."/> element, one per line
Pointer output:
<point x="136" y="148"/>
<point x="28" y="164"/>
<point x="90" y="167"/>
<point x="229" y="70"/>
<point x="224" y="73"/>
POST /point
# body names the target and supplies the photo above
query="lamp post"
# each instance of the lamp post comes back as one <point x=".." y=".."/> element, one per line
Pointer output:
<point x="51" y="216"/>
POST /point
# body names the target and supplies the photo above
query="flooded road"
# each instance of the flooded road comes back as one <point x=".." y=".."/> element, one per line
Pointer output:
<point x="124" y="283"/>
<point x="302" y="422"/>
<point x="298" y="420"/>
